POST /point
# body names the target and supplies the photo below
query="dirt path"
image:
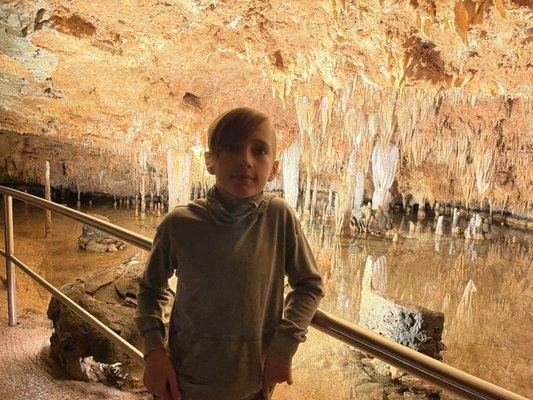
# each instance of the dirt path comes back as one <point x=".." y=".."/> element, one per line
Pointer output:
<point x="24" y="363"/>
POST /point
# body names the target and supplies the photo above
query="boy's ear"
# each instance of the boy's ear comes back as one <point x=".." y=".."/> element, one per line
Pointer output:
<point x="209" y="162"/>
<point x="274" y="171"/>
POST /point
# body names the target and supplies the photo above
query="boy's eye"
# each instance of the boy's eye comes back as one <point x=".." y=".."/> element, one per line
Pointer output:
<point x="261" y="151"/>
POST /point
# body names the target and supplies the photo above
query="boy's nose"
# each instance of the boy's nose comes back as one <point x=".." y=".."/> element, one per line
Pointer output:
<point x="245" y="159"/>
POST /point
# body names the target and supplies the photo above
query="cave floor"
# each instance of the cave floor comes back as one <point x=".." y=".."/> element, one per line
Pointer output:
<point x="25" y="363"/>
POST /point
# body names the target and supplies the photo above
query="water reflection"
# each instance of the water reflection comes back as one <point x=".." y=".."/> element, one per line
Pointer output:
<point x="483" y="288"/>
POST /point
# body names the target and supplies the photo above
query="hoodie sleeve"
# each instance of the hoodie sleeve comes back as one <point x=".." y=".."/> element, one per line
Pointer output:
<point x="154" y="293"/>
<point x="306" y="291"/>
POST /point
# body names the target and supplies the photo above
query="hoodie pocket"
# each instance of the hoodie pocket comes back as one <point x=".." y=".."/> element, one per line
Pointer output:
<point x="220" y="362"/>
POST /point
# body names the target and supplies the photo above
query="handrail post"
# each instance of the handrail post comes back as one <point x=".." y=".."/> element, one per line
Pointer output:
<point x="10" y="270"/>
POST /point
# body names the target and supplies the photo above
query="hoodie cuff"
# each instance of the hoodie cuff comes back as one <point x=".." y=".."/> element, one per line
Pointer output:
<point x="284" y="346"/>
<point x="153" y="339"/>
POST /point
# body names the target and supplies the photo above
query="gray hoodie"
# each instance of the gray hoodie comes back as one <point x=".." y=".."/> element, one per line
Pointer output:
<point x="228" y="312"/>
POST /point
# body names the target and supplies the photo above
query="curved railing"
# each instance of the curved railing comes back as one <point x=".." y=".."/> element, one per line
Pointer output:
<point x="404" y="358"/>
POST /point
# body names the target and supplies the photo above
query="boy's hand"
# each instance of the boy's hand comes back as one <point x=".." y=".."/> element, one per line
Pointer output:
<point x="276" y="371"/>
<point x="160" y="377"/>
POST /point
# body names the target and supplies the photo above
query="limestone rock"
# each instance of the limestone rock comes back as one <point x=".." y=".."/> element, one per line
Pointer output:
<point x="380" y="223"/>
<point x="97" y="241"/>
<point x="109" y="295"/>
<point x="412" y="326"/>
<point x="109" y="374"/>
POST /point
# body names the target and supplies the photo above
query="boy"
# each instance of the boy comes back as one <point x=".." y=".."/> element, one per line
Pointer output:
<point x="230" y="337"/>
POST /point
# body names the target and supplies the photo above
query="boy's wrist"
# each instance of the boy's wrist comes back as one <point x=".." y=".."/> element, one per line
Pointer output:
<point x="283" y="346"/>
<point x="153" y="340"/>
<point x="155" y="352"/>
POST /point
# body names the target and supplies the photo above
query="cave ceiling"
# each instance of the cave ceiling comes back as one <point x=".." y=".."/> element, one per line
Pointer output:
<point x="126" y="77"/>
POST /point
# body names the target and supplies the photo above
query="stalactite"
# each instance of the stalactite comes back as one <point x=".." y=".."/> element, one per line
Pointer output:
<point x="384" y="162"/>
<point x="78" y="195"/>
<point x="325" y="114"/>
<point x="314" y="196"/>
<point x="290" y="171"/>
<point x="386" y="119"/>
<point x="483" y="165"/>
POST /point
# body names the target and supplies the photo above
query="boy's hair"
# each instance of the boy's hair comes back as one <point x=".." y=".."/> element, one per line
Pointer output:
<point x="235" y="126"/>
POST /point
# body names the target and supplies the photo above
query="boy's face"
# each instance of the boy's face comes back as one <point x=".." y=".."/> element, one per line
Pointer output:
<point x="244" y="169"/>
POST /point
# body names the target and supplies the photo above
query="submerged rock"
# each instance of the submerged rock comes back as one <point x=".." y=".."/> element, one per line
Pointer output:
<point x="97" y="241"/>
<point x="413" y="326"/>
<point x="109" y="295"/>
<point x="380" y="222"/>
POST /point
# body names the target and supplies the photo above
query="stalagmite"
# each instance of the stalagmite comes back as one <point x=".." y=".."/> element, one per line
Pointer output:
<point x="47" y="195"/>
<point x="290" y="171"/>
<point x="412" y="228"/>
<point x="384" y="161"/>
<point x="470" y="229"/>
<point x="478" y="228"/>
<point x="329" y="207"/>
<point x="142" y="190"/>
<point x="421" y="210"/>
<point x="455" y="222"/>
<point x="439" y="230"/>
<point x="314" y="197"/>
<point x="78" y="194"/>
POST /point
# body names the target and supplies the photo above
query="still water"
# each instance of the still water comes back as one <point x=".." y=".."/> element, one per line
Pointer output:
<point x="483" y="288"/>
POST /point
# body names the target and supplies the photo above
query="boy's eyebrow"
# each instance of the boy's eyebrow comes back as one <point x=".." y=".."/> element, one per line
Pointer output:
<point x="261" y="141"/>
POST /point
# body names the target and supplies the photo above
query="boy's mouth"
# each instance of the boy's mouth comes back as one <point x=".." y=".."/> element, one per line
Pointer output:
<point x="242" y="177"/>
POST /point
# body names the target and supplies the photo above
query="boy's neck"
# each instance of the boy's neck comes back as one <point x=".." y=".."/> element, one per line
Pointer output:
<point x="232" y="201"/>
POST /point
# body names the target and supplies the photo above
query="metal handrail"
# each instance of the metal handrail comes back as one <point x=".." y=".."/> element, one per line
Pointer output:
<point x="402" y="357"/>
